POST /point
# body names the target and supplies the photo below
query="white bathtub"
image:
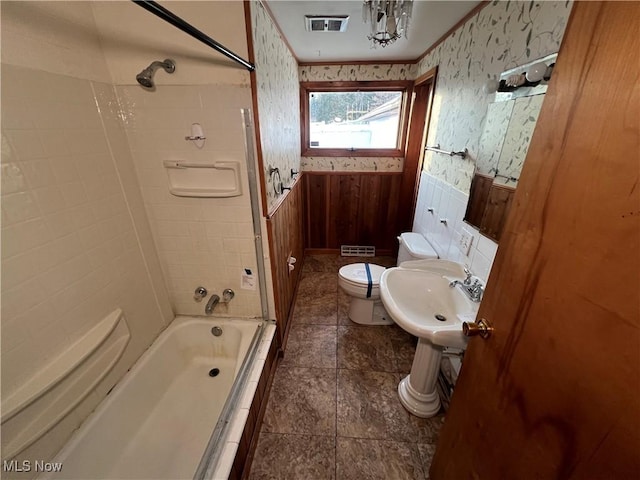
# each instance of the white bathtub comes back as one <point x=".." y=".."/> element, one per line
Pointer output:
<point x="158" y="420"/>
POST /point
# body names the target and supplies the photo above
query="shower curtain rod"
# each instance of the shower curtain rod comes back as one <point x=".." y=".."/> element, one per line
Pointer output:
<point x="177" y="22"/>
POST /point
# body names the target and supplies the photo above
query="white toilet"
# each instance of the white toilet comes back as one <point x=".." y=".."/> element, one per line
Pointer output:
<point x="361" y="281"/>
<point x="414" y="246"/>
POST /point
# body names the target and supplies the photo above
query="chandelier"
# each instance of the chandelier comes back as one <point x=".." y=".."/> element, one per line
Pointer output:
<point x="389" y="19"/>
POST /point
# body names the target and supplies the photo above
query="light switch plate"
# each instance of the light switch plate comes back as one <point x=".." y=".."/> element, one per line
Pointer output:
<point x="465" y="241"/>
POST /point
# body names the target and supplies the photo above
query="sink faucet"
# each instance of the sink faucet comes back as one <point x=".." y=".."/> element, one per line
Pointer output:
<point x="476" y="291"/>
<point x="473" y="290"/>
<point x="211" y="304"/>
<point x="465" y="282"/>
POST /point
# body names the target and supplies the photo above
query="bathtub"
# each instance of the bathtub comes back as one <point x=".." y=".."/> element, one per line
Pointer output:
<point x="179" y="412"/>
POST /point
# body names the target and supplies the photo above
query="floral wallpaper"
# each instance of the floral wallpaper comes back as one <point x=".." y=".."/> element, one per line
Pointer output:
<point x="278" y="100"/>
<point x="350" y="73"/>
<point x="353" y="164"/>
<point x="500" y="36"/>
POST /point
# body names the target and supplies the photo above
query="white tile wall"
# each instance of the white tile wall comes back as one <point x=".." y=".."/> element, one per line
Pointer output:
<point x="200" y="241"/>
<point x="76" y="240"/>
<point x="58" y="37"/>
<point x="71" y="252"/>
<point x="449" y="203"/>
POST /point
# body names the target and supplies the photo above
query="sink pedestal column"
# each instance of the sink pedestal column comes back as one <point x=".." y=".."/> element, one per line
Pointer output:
<point x="418" y="389"/>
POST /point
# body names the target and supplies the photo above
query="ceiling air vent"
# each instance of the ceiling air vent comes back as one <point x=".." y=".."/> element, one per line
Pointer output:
<point x="322" y="23"/>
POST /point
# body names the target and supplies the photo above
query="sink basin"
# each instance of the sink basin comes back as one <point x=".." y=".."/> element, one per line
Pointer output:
<point x="418" y="297"/>
<point x="423" y="304"/>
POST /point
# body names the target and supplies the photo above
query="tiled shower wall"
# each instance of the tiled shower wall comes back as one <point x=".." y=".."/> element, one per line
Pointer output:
<point x="76" y="240"/>
<point x="206" y="241"/>
<point x="71" y="251"/>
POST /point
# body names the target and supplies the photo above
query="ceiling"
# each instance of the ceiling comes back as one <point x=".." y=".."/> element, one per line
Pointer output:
<point x="430" y="20"/>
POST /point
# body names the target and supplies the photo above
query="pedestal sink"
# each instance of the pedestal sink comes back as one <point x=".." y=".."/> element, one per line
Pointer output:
<point x="418" y="297"/>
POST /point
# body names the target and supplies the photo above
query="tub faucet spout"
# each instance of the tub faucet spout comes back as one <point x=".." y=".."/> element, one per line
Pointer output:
<point x="211" y="304"/>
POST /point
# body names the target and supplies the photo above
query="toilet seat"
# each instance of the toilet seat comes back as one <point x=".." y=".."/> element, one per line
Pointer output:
<point x="354" y="280"/>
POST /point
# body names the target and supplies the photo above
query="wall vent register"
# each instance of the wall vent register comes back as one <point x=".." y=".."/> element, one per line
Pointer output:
<point x="357" y="251"/>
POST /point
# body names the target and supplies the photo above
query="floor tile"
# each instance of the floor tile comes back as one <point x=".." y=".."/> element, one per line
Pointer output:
<point x="404" y="348"/>
<point x="333" y="411"/>
<point x="294" y="457"/>
<point x="317" y="285"/>
<point x="316" y="310"/>
<point x="303" y="401"/>
<point x="311" y="346"/>
<point x="369" y="407"/>
<point x="426" y="455"/>
<point x="321" y="263"/>
<point x="343" y="308"/>
<point x="362" y="347"/>
<point x="427" y="429"/>
<point x="359" y="459"/>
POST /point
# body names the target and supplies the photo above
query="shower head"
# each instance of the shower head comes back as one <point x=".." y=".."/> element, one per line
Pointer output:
<point x="145" y="77"/>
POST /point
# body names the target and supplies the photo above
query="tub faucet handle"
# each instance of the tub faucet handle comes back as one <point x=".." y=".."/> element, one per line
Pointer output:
<point x="227" y="295"/>
<point x="199" y="294"/>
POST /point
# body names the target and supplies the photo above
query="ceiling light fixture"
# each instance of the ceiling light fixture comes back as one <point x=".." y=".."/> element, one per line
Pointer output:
<point x="389" y="19"/>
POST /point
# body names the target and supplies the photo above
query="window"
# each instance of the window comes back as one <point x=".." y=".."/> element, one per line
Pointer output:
<point x="354" y="118"/>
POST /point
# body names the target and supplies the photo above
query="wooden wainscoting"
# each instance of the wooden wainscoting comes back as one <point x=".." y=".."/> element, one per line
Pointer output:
<point x="489" y="205"/>
<point x="286" y="238"/>
<point x="352" y="209"/>
<point x="478" y="198"/>
<point x="497" y="210"/>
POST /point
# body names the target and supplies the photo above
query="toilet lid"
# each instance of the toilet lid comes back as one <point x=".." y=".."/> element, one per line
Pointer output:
<point x="357" y="273"/>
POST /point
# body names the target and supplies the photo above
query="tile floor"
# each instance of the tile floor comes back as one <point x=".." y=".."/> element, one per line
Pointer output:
<point x="333" y="411"/>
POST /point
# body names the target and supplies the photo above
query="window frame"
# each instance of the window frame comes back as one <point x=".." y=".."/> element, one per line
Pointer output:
<point x="403" y="86"/>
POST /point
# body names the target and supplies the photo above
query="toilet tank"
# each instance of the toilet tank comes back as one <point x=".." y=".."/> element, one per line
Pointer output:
<point x="413" y="246"/>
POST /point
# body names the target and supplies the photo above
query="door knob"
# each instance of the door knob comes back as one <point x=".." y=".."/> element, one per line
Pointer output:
<point x="481" y="327"/>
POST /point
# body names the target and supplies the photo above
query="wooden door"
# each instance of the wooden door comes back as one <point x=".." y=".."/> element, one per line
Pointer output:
<point x="555" y="392"/>
<point x="421" y="106"/>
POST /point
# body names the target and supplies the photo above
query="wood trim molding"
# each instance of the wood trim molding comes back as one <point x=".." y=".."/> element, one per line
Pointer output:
<point x="426" y="77"/>
<point x="392" y="85"/>
<point x="358" y="152"/>
<point x="332" y="86"/>
<point x="254" y="102"/>
<point x="267" y="9"/>
<point x="358" y="62"/>
<point x="460" y="23"/>
<point x="419" y="122"/>
<point x="348" y="173"/>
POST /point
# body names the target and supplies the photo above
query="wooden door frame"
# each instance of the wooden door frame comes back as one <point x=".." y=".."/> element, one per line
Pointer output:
<point x="419" y="121"/>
